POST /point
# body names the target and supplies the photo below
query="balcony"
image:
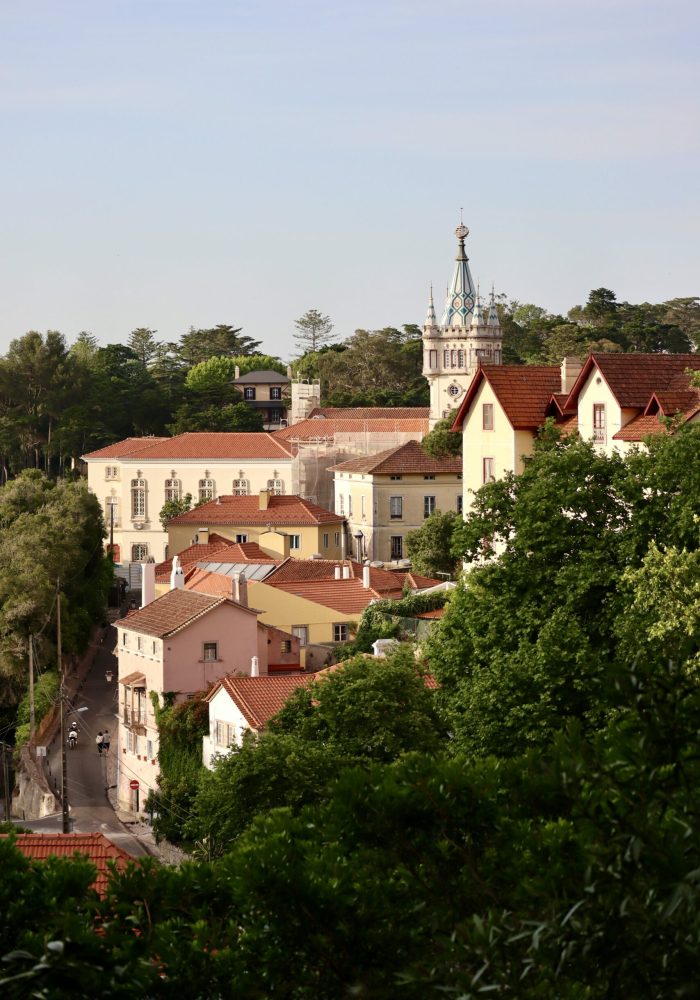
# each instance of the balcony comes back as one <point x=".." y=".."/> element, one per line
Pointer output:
<point x="135" y="718"/>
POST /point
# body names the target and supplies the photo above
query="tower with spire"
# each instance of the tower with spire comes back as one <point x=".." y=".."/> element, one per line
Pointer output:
<point x="464" y="339"/>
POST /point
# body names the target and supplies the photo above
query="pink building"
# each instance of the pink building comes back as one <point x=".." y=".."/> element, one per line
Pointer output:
<point x="183" y="643"/>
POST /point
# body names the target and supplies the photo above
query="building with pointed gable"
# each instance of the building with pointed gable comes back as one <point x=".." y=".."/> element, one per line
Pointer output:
<point x="465" y="338"/>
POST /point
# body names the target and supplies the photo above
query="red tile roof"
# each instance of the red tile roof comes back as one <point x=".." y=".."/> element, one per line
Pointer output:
<point x="217" y="549"/>
<point x="205" y="581"/>
<point x="168" y="614"/>
<point x="524" y="392"/>
<point x="640" y="427"/>
<point x="346" y="596"/>
<point x="436" y="613"/>
<point x="383" y="581"/>
<point x="327" y="428"/>
<point x="129" y="446"/>
<point x="259" y="698"/>
<point x="222" y="445"/>
<point x="194" y="553"/>
<point x="281" y="510"/>
<point x="94" y="846"/>
<point x="405" y="458"/>
<point x="371" y="412"/>
<point x="633" y="378"/>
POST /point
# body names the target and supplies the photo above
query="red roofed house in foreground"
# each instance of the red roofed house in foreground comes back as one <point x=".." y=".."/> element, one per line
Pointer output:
<point x="94" y="847"/>
<point x="615" y="400"/>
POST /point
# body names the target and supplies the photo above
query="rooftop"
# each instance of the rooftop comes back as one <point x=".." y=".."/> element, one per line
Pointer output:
<point x="259" y="698"/>
<point x="405" y="458"/>
<point x="129" y="446"/>
<point x="633" y="378"/>
<point x="523" y="391"/>
<point x="263" y="376"/>
<point x="201" y="445"/>
<point x="225" y="551"/>
<point x="371" y="412"/>
<point x="280" y="510"/>
<point x="327" y="427"/>
<point x="94" y="846"/>
<point x="170" y="613"/>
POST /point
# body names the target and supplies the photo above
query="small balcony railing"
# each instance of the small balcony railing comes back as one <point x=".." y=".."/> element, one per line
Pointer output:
<point x="135" y="717"/>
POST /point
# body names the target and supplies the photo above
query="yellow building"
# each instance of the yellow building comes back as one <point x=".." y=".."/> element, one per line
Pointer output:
<point x="281" y="525"/>
<point x="389" y="494"/>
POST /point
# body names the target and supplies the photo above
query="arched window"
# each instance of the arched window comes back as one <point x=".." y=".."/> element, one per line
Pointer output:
<point x="206" y="489"/>
<point x="138" y="498"/>
<point x="173" y="489"/>
<point x="240" y="487"/>
<point x="275" y="487"/>
<point x="139" y="553"/>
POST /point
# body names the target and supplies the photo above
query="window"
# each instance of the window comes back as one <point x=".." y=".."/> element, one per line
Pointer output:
<point x="340" y="633"/>
<point x="295" y="541"/>
<point x="453" y="359"/>
<point x="241" y="539"/>
<point x="325" y="539"/>
<point x="138" y="498"/>
<point x="446" y="359"/>
<point x="341" y="504"/>
<point x="487" y="416"/>
<point x="428" y="506"/>
<point x="395" y="479"/>
<point x="362" y="506"/>
<point x="111" y="472"/>
<point x="302" y="633"/>
<point x="149" y="749"/>
<point x="249" y="393"/>
<point x="286" y="646"/>
<point x="206" y="489"/>
<point x="433" y="359"/>
<point x="397" y="546"/>
<point x="336" y="538"/>
<point x="275" y="393"/>
<point x="224" y="734"/>
<point x="139" y="553"/>
<point x="395" y="508"/>
<point x="172" y="489"/>
<point x="211" y="652"/>
<point x="487" y="470"/>
<point x="599" y="435"/>
<point x="112" y="511"/>
<point x="139" y="643"/>
<point x="460" y="503"/>
<point x="125" y="639"/>
<point x="131" y="741"/>
<point x="153" y="650"/>
<point x="240" y="487"/>
<point x="275" y="487"/>
<point x="349" y="504"/>
<point x="275" y="415"/>
<point x="460" y="359"/>
<point x="429" y="475"/>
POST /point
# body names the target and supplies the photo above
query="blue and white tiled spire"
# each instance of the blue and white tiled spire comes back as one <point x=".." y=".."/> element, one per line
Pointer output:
<point x="461" y="296"/>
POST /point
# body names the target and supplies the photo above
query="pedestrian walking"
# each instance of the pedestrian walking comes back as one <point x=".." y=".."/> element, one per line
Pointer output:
<point x="105" y="740"/>
<point x="98" y="741"/>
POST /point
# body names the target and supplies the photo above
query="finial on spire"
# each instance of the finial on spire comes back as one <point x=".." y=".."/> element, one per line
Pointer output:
<point x="493" y="319"/>
<point x="431" y="319"/>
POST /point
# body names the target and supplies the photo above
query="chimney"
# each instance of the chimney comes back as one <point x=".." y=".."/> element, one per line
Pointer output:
<point x="570" y="371"/>
<point x="346" y="572"/>
<point x="365" y="577"/>
<point x="336" y="572"/>
<point x="148" y="581"/>
<point x="236" y="372"/>
<point x="177" y="575"/>
<point x="264" y="500"/>
<point x="239" y="589"/>
<point x="254" y="667"/>
<point x="202" y="536"/>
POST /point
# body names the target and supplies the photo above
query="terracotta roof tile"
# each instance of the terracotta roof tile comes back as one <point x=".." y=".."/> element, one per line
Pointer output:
<point x="169" y="613"/>
<point x="193" y="554"/>
<point x="281" y="510"/>
<point x="633" y="378"/>
<point x="129" y="446"/>
<point x="640" y="427"/>
<point x="345" y="596"/>
<point x="524" y="392"/>
<point x="313" y="570"/>
<point x="259" y="698"/>
<point x="94" y="846"/>
<point x="371" y="412"/>
<point x="327" y="428"/>
<point x="231" y="446"/>
<point x="405" y="458"/>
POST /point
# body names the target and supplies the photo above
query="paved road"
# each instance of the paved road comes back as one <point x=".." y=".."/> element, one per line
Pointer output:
<point x="89" y="773"/>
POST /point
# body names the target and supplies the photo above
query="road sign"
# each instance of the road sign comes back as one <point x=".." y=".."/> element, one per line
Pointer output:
<point x="41" y="751"/>
<point x="133" y="784"/>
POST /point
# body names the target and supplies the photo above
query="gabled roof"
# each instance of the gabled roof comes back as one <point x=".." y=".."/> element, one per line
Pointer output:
<point x="129" y="446"/>
<point x="94" y="846"/>
<point x="192" y="554"/>
<point x="382" y="581"/>
<point x="172" y="612"/>
<point x="264" y="376"/>
<point x="344" y="596"/>
<point x="259" y="698"/>
<point x="230" y="446"/>
<point x="327" y="427"/>
<point x="405" y="459"/>
<point x="524" y="392"/>
<point x="632" y="378"/>
<point x="217" y="550"/>
<point x="281" y="510"/>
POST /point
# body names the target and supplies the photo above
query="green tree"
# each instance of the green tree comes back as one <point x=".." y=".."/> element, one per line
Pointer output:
<point x="430" y="547"/>
<point x="441" y="442"/>
<point x="313" y="330"/>
<point x="143" y="343"/>
<point x="377" y="368"/>
<point x="173" y="508"/>
<point x="220" y="341"/>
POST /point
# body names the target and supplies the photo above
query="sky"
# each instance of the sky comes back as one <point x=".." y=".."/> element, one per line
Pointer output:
<point x="179" y="163"/>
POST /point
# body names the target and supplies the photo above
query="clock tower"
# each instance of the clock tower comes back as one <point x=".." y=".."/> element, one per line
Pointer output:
<point x="464" y="339"/>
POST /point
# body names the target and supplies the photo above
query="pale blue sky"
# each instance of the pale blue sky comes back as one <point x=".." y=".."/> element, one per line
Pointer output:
<point x="170" y="163"/>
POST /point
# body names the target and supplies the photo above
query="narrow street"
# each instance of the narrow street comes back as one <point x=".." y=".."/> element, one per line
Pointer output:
<point x="89" y="773"/>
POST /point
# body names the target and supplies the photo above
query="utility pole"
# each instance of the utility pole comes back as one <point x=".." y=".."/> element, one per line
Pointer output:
<point x="6" y="781"/>
<point x="111" y="530"/>
<point x="64" y="758"/>
<point x="32" y="712"/>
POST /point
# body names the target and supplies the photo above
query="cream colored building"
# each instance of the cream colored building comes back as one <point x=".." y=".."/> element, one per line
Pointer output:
<point x="387" y="495"/>
<point x="280" y="525"/>
<point x="134" y="478"/>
